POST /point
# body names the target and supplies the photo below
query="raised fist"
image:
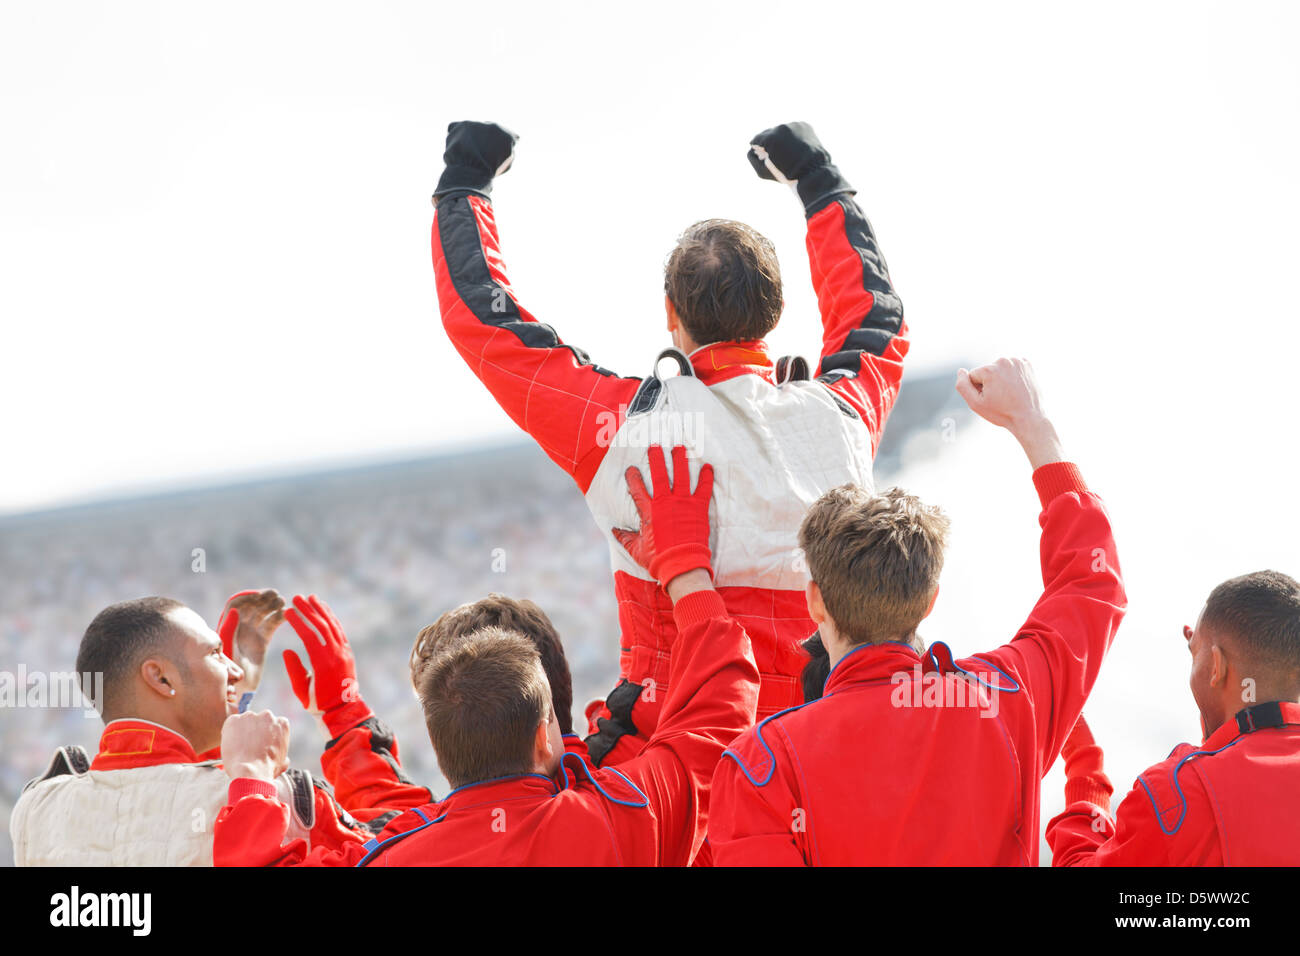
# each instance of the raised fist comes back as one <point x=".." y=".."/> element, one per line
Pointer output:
<point x="792" y="154"/>
<point x="476" y="154"/>
<point x="255" y="744"/>
<point x="1005" y="393"/>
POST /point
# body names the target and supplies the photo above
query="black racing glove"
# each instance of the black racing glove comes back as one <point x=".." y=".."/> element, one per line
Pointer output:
<point x="476" y="154"/>
<point x="791" y="153"/>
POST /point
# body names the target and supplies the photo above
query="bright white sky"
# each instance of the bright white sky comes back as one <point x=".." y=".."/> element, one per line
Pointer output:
<point x="214" y="219"/>
<point x="214" y="243"/>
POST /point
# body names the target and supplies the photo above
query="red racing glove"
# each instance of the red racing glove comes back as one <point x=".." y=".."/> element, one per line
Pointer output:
<point x="1085" y="781"/>
<point x="330" y="691"/>
<point x="674" y="536"/>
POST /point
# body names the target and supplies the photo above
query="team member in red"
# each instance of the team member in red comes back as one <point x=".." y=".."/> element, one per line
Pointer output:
<point x="776" y="439"/>
<point x="911" y="757"/>
<point x="519" y="798"/>
<point x="152" y="792"/>
<point x="1231" y="800"/>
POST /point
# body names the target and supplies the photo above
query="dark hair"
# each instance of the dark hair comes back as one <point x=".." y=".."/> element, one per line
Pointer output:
<point x="483" y="697"/>
<point x="525" y="617"/>
<point x="876" y="559"/>
<point x="817" y="669"/>
<point x="1262" y="611"/>
<point x="119" y="638"/>
<point x="724" y="280"/>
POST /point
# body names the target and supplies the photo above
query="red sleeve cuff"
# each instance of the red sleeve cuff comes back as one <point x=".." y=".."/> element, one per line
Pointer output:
<point x="699" y="607"/>
<point x="1088" y="790"/>
<point x="1056" y="479"/>
<point x="345" y="717"/>
<point x="250" y="787"/>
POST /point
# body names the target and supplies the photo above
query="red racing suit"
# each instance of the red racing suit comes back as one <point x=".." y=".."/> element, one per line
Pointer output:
<point x="577" y="412"/>
<point x="650" y="811"/>
<point x="913" y="759"/>
<point x="1228" y="802"/>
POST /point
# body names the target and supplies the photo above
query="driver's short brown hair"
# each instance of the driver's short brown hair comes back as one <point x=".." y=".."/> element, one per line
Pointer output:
<point x="484" y="695"/>
<point x="876" y="559"/>
<point x="724" y="280"/>
<point x="513" y="614"/>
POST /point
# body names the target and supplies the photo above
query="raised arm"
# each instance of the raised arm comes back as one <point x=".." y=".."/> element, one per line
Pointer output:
<point x="864" y="336"/>
<point x="1057" y="653"/>
<point x="361" y="759"/>
<point x="247" y="624"/>
<point x="712" y="693"/>
<point x="553" y="391"/>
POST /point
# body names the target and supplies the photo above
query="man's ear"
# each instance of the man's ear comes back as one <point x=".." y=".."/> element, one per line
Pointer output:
<point x="673" y="320"/>
<point x="542" y="751"/>
<point x="933" y="600"/>
<point x="158" y="677"/>
<point x="816" y="608"/>
<point x="1219" y="670"/>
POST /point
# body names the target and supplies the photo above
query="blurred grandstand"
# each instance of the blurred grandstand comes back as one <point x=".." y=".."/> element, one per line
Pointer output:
<point x="389" y="547"/>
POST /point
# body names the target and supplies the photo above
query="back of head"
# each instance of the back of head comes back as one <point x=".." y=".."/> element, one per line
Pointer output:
<point x="1259" y="616"/>
<point x="484" y="695"/>
<point x="724" y="281"/>
<point x="512" y="614"/>
<point x="121" y="637"/>
<point x="876" y="559"/>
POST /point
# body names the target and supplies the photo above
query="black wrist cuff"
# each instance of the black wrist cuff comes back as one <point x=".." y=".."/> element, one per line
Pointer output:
<point x="464" y="179"/>
<point x="818" y="188"/>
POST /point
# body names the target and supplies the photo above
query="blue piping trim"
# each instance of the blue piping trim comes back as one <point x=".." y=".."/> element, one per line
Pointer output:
<point x="860" y="647"/>
<point x="1013" y="689"/>
<point x="509" y="776"/>
<point x="645" y="801"/>
<point x="1182" y="797"/>
<point x="374" y="844"/>
<point x="758" y="734"/>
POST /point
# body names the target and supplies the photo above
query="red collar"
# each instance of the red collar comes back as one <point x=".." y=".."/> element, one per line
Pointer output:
<point x="493" y="792"/>
<point x="872" y="662"/>
<point x="723" y="360"/>
<point x="1249" y="719"/>
<point x="131" y="743"/>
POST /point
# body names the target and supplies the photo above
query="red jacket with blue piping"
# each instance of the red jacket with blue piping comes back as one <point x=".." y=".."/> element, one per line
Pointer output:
<point x="1229" y="802"/>
<point x="912" y="759"/>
